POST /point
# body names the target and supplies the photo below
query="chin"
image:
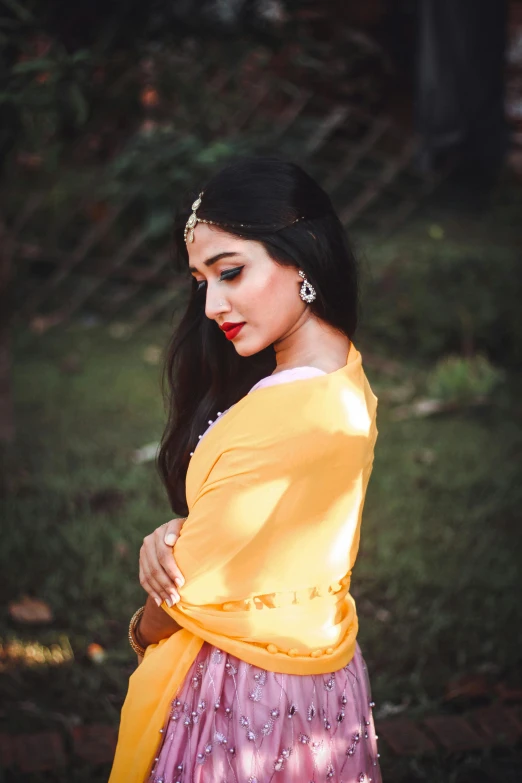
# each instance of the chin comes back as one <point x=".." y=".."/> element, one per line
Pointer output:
<point x="247" y="349"/>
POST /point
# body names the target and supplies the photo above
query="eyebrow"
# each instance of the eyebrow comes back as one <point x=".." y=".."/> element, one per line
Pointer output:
<point x="213" y="260"/>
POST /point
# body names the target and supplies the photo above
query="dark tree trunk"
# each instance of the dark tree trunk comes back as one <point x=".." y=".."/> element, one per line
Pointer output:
<point x="460" y="81"/>
<point x="7" y="423"/>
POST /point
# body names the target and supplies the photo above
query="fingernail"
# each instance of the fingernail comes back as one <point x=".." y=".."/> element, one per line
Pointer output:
<point x="157" y="601"/>
<point x="170" y="539"/>
<point x="169" y="601"/>
<point x="179" y="581"/>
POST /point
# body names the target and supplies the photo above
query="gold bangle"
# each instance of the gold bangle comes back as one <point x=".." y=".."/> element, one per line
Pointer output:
<point x="138" y="649"/>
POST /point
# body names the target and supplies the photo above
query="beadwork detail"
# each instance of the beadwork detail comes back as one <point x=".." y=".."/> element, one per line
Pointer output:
<point x="329" y="684"/>
<point x="210" y="423"/>
<point x="329" y="733"/>
<point x="267" y="728"/>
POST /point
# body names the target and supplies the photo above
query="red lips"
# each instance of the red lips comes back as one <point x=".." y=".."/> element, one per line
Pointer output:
<point x="231" y="330"/>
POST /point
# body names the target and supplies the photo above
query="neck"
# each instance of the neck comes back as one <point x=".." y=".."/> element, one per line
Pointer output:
<point x="312" y="343"/>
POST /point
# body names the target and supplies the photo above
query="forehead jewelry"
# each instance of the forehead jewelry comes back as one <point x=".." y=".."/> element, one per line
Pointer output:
<point x="194" y="220"/>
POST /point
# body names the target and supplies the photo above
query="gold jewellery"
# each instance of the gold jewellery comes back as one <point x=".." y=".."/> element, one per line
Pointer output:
<point x="194" y="220"/>
<point x="138" y="649"/>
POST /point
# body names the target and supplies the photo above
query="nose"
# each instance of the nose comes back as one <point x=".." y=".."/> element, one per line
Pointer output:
<point x="215" y="303"/>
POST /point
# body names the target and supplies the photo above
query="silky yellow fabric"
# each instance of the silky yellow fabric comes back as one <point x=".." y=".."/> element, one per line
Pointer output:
<point x="275" y="492"/>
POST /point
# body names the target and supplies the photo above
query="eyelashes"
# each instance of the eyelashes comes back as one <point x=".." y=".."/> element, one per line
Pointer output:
<point x="230" y="274"/>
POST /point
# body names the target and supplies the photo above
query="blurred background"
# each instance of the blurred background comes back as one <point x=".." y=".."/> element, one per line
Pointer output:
<point x="409" y="112"/>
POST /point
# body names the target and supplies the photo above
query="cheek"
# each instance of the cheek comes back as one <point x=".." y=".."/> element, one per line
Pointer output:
<point x="270" y="300"/>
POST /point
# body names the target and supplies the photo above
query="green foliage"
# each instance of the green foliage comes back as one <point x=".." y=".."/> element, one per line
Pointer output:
<point x="139" y="126"/>
<point x="51" y="97"/>
<point x="459" y="295"/>
<point x="462" y="379"/>
<point x="160" y="166"/>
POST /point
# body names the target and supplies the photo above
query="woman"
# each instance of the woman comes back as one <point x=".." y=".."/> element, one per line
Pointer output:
<point x="251" y="669"/>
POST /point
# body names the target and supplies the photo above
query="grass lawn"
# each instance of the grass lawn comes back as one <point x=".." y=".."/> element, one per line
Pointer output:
<point x="437" y="582"/>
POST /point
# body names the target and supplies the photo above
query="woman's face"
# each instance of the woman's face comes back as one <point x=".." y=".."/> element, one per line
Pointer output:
<point x="245" y="286"/>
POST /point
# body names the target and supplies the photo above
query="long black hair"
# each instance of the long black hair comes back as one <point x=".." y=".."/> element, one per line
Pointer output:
<point x="276" y="203"/>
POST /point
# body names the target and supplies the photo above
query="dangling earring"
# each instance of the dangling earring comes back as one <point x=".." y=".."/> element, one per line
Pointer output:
<point x="307" y="292"/>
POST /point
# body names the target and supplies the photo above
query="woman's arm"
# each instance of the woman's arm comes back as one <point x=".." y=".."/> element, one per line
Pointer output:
<point x="154" y="625"/>
<point x="158" y="571"/>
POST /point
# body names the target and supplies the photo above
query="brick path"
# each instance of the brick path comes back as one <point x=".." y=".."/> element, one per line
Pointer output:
<point x="50" y="750"/>
<point x="479" y="728"/>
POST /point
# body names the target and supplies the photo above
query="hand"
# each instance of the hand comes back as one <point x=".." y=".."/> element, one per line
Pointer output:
<point x="159" y="574"/>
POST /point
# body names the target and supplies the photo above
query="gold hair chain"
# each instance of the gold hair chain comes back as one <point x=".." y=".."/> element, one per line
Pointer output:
<point x="193" y="220"/>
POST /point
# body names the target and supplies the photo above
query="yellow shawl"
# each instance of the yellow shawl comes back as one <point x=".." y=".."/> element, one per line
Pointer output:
<point x="275" y="492"/>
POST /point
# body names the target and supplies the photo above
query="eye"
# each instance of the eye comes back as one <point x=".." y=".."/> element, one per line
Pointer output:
<point x="230" y="274"/>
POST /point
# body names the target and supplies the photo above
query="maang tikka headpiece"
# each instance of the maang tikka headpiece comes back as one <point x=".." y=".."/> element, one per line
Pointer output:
<point x="193" y="220"/>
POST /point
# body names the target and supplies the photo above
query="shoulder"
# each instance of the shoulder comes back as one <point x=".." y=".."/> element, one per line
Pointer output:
<point x="286" y="376"/>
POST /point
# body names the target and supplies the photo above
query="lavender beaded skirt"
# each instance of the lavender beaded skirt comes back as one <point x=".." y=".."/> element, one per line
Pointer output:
<point x="235" y="723"/>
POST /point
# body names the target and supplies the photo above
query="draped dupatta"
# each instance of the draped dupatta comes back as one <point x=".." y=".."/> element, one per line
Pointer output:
<point x="275" y="493"/>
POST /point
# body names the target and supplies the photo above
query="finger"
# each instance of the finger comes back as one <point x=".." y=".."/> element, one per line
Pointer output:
<point x="160" y="582"/>
<point x="153" y="569"/>
<point x="158" y="596"/>
<point x="172" y="531"/>
<point x="144" y="569"/>
<point x="148" y="589"/>
<point x="170" y="567"/>
<point x="156" y="575"/>
<point x="165" y="589"/>
<point x="164" y="554"/>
